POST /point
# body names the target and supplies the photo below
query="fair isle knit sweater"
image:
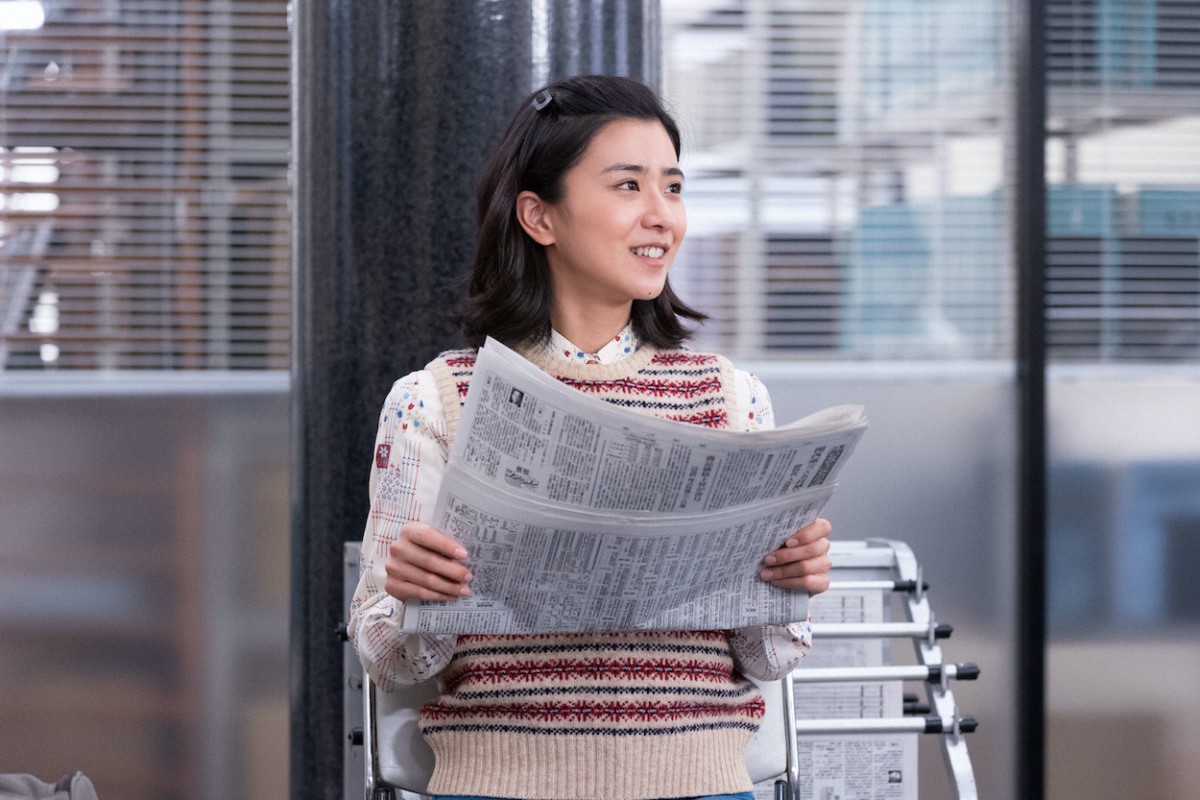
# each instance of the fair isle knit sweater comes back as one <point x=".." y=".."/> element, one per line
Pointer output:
<point x="622" y="716"/>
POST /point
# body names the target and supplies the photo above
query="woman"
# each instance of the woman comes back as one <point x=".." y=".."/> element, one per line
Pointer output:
<point x="580" y="218"/>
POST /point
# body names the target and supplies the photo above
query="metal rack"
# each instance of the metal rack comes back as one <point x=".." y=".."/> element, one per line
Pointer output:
<point x="890" y="567"/>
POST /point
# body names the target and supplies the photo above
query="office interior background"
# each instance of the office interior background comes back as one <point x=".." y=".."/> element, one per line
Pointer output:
<point x="851" y="208"/>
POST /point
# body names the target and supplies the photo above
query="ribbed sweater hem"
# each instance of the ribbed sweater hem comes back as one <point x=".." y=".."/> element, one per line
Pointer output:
<point x="589" y="767"/>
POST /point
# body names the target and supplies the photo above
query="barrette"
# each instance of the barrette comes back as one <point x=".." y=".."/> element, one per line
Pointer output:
<point x="542" y="99"/>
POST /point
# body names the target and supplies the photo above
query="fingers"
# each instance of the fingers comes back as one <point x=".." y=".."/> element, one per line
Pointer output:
<point x="811" y="575"/>
<point x="815" y="531"/>
<point x="803" y="562"/>
<point x="813" y="584"/>
<point x="428" y="538"/>
<point x="427" y="565"/>
<point x="811" y="541"/>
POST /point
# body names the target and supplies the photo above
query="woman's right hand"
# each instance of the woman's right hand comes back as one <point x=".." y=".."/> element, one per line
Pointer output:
<point x="425" y="564"/>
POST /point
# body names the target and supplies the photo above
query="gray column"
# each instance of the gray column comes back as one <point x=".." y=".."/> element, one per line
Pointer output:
<point x="609" y="37"/>
<point x="396" y="102"/>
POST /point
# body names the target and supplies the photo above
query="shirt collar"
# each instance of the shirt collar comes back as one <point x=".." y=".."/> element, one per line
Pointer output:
<point x="623" y="344"/>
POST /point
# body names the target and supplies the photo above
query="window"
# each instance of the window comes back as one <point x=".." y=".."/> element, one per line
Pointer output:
<point x="846" y="183"/>
<point x="1123" y="129"/>
<point x="143" y="186"/>
<point x="859" y="150"/>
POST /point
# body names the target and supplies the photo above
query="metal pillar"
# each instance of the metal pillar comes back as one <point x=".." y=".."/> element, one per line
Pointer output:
<point x="1029" y="248"/>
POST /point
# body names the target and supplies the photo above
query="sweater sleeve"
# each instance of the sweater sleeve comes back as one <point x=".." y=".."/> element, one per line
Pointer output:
<point x="766" y="652"/>
<point x="407" y="467"/>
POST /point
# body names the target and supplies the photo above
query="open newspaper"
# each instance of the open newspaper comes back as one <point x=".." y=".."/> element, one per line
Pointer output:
<point x="578" y="515"/>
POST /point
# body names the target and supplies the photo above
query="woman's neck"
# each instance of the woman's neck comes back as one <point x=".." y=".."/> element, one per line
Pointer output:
<point x="592" y="327"/>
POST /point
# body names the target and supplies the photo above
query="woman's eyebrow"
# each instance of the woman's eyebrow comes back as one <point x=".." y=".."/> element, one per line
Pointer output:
<point x="674" y="172"/>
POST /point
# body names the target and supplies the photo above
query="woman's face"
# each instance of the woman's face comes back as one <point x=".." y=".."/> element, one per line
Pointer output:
<point x="613" y="235"/>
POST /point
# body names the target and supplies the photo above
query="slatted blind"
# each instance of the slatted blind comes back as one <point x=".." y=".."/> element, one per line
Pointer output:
<point x="1123" y="174"/>
<point x="143" y="185"/>
<point x="846" y="189"/>
<point x="848" y="183"/>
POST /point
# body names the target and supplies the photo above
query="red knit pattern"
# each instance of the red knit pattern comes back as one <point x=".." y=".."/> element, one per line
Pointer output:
<point x="710" y="418"/>
<point x="654" y="387"/>
<point x="586" y="711"/>
<point x="675" y="358"/>
<point x="562" y="669"/>
<point x="461" y="359"/>
<point x="467" y="639"/>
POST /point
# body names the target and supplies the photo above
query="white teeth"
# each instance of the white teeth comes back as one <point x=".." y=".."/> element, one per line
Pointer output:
<point x="649" y="252"/>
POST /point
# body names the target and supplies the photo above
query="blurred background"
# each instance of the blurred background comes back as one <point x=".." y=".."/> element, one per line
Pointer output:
<point x="851" y="204"/>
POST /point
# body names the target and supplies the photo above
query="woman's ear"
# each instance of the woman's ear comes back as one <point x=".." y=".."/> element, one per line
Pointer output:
<point x="533" y="214"/>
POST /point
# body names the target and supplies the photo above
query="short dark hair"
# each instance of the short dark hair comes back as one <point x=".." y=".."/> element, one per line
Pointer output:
<point x="509" y="294"/>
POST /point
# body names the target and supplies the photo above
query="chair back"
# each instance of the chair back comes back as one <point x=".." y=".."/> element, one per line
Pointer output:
<point x="398" y="755"/>
<point x="767" y="753"/>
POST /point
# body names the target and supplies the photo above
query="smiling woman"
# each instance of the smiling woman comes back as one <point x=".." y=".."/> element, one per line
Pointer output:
<point x="613" y="236"/>
<point x="580" y="218"/>
<point x="512" y="288"/>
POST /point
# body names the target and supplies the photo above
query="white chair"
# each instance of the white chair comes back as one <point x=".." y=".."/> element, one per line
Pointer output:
<point x="396" y="755"/>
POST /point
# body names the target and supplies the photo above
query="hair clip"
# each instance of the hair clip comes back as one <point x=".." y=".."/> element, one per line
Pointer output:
<point x="542" y="99"/>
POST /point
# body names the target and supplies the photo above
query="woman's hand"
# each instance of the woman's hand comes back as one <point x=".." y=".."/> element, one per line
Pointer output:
<point x="425" y="564"/>
<point x="803" y="561"/>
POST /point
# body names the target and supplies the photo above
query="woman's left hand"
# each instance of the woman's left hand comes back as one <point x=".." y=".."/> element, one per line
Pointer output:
<point x="803" y="561"/>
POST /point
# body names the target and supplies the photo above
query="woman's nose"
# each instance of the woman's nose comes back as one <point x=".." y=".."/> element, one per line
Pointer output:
<point x="658" y="212"/>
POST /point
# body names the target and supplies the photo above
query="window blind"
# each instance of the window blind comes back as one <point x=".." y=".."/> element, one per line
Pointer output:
<point x="846" y="160"/>
<point x="847" y="191"/>
<point x="1123" y="176"/>
<point x="143" y="185"/>
<point x="848" y="183"/>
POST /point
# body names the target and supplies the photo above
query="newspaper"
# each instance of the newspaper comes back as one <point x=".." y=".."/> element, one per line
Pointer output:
<point x="852" y="766"/>
<point x="578" y="515"/>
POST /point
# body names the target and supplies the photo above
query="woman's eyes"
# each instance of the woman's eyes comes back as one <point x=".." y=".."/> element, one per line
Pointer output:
<point x="632" y="185"/>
